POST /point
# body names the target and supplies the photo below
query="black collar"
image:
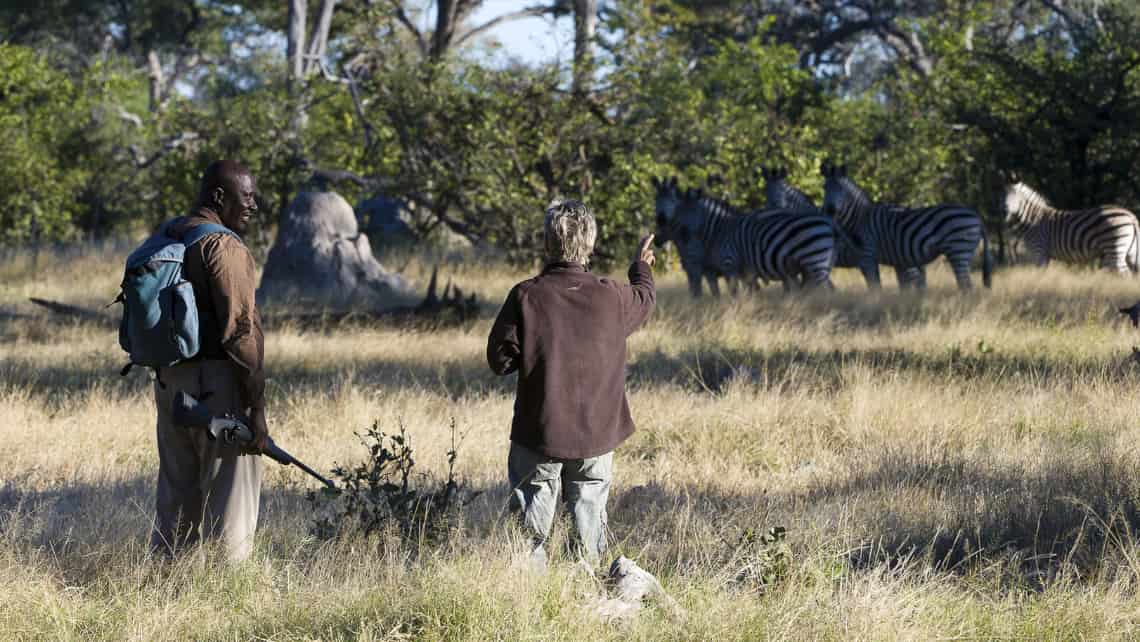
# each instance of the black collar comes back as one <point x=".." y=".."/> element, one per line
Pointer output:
<point x="563" y="266"/>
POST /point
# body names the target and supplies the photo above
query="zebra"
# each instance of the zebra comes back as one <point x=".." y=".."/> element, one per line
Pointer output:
<point x="1108" y="233"/>
<point x="905" y="237"/>
<point x="781" y="194"/>
<point x="668" y="197"/>
<point x="776" y="244"/>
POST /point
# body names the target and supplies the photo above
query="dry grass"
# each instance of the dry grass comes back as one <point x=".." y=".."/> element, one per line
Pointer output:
<point x="946" y="466"/>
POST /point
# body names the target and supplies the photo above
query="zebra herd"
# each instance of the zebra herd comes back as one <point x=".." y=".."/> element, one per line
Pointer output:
<point x="795" y="242"/>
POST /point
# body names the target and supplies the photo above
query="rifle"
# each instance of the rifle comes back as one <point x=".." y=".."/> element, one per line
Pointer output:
<point x="188" y="412"/>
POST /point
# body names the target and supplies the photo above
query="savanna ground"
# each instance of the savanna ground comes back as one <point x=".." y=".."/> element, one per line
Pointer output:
<point x="945" y="467"/>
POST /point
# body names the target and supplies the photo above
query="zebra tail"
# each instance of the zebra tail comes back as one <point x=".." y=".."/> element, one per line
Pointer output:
<point x="987" y="261"/>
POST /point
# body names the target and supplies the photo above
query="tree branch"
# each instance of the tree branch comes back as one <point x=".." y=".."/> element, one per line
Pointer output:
<point x="555" y="10"/>
<point x="320" y="37"/>
<point x="402" y="17"/>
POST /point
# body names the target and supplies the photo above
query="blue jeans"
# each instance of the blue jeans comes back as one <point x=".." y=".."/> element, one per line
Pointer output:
<point x="537" y="484"/>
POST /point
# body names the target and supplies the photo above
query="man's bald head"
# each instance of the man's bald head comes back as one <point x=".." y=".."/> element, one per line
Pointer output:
<point x="228" y="189"/>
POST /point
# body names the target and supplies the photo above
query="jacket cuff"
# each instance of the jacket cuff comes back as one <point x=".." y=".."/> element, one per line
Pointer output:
<point x="640" y="268"/>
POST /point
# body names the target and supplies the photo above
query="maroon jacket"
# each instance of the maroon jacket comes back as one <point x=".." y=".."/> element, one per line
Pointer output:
<point x="564" y="331"/>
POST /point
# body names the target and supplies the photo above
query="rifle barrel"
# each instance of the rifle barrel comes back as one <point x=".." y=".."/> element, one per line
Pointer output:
<point x="279" y="455"/>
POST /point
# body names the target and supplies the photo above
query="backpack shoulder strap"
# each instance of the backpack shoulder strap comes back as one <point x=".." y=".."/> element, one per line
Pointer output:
<point x="199" y="232"/>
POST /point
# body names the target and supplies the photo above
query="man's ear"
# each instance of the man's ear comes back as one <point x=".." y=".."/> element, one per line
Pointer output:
<point x="219" y="197"/>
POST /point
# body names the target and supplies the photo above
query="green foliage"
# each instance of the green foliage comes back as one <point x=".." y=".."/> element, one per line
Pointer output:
<point x="39" y="172"/>
<point x="708" y="91"/>
<point x="380" y="496"/>
<point x="764" y="559"/>
<point x="1059" y="110"/>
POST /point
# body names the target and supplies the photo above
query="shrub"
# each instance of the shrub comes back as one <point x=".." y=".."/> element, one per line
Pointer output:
<point x="380" y="495"/>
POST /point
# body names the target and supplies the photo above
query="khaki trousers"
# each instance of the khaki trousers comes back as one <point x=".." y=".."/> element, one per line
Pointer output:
<point x="538" y="483"/>
<point x="205" y="489"/>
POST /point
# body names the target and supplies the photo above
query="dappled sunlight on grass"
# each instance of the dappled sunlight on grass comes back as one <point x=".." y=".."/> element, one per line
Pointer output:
<point x="945" y="465"/>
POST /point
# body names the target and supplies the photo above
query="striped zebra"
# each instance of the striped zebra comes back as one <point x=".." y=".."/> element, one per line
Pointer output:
<point x="1109" y="234"/>
<point x="906" y="237"/>
<point x="792" y="247"/>
<point x="779" y="193"/>
<point x="668" y="197"/>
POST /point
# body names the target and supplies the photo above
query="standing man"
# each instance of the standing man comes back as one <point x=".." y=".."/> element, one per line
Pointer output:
<point x="564" y="331"/>
<point x="209" y="489"/>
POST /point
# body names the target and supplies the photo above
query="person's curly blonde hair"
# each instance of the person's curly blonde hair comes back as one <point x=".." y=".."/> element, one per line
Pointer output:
<point x="570" y="232"/>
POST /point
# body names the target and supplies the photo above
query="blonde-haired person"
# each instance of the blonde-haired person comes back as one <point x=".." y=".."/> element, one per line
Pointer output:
<point x="564" y="331"/>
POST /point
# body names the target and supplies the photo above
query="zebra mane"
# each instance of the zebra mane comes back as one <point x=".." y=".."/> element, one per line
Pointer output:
<point x="718" y="207"/>
<point x="1026" y="205"/>
<point x="788" y="197"/>
<point x="796" y="199"/>
<point x="856" y="193"/>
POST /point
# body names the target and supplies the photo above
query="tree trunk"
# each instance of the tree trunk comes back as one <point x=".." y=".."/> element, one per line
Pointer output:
<point x="320" y="39"/>
<point x="585" y="26"/>
<point x="447" y="14"/>
<point x="157" y="80"/>
<point x="296" y="43"/>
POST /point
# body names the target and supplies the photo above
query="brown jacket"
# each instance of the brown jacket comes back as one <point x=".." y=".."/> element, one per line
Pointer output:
<point x="224" y="276"/>
<point x="564" y="331"/>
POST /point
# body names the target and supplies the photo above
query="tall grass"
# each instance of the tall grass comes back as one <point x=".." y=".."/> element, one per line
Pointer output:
<point x="946" y="466"/>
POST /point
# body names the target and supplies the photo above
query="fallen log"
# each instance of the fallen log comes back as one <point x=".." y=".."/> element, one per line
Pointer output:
<point x="74" y="311"/>
<point x="450" y="307"/>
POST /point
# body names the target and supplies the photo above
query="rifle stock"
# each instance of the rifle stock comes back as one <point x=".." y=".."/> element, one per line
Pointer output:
<point x="188" y="412"/>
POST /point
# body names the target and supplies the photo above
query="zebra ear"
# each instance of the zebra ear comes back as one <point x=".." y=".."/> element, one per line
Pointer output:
<point x="673" y="181"/>
<point x="825" y="168"/>
<point x="843" y="169"/>
<point x="783" y="172"/>
<point x="657" y="182"/>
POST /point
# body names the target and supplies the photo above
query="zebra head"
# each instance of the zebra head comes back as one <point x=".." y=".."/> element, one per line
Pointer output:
<point x="780" y="195"/>
<point x="687" y="231"/>
<point x="666" y="202"/>
<point x="1023" y="205"/>
<point x="843" y="200"/>
<point x="775" y="186"/>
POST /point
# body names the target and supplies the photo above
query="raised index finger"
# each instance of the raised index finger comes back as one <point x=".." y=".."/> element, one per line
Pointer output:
<point x="646" y="242"/>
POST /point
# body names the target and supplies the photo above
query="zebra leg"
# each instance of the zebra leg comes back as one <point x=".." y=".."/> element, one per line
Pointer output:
<point x="960" y="263"/>
<point x="790" y="279"/>
<point x="694" y="284"/>
<point x="870" y="270"/>
<point x="905" y="278"/>
<point x="1115" y="262"/>
<point x="733" y="286"/>
<point x="911" y="277"/>
<point x="819" y="278"/>
<point x="713" y="287"/>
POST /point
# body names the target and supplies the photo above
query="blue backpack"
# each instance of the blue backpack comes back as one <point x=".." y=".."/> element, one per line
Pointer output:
<point x="160" y="317"/>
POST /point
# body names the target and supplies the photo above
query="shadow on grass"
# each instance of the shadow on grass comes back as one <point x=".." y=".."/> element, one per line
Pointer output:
<point x="706" y="369"/>
<point x="957" y="514"/>
<point x="857" y="308"/>
<point x="712" y="368"/>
